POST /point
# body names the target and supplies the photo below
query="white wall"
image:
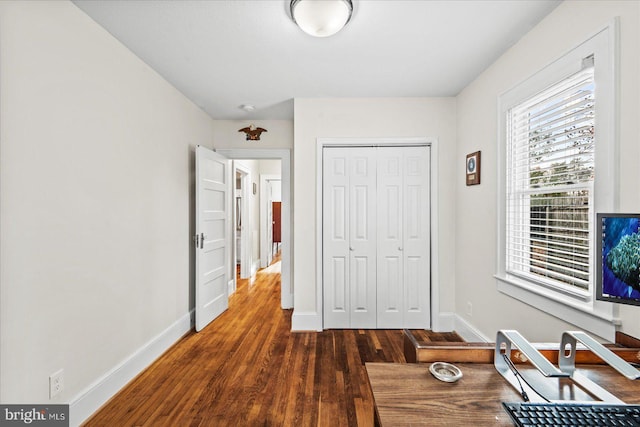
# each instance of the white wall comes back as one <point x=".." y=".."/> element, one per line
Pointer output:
<point x="96" y="165"/>
<point x="566" y="27"/>
<point x="276" y="191"/>
<point x="376" y="118"/>
<point x="632" y="326"/>
<point x="270" y="167"/>
<point x="273" y="168"/>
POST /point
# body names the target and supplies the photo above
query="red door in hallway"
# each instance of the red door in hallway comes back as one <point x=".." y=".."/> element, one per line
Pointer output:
<point x="277" y="224"/>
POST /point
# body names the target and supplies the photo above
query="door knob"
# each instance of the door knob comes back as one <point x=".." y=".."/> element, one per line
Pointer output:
<point x="399" y="248"/>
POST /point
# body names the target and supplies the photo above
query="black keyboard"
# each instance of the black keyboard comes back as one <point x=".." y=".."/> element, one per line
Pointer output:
<point x="572" y="414"/>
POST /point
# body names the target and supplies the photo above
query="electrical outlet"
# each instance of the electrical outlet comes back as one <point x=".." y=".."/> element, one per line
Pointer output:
<point x="56" y="383"/>
<point x="469" y="309"/>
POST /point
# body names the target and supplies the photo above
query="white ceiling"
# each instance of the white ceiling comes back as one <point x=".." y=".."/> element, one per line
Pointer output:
<point x="225" y="53"/>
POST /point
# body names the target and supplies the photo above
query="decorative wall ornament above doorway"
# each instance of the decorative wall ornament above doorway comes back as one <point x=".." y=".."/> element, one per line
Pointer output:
<point x="253" y="132"/>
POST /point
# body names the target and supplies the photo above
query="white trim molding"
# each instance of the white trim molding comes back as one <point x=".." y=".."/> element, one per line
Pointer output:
<point x="308" y="321"/>
<point x="446" y="322"/>
<point x="100" y="391"/>
<point x="469" y="332"/>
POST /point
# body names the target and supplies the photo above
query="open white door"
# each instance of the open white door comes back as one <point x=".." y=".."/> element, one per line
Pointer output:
<point x="212" y="213"/>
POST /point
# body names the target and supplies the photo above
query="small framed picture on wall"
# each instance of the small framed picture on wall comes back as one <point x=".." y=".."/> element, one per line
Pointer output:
<point x="473" y="168"/>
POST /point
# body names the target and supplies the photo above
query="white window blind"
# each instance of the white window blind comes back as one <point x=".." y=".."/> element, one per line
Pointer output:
<point x="550" y="176"/>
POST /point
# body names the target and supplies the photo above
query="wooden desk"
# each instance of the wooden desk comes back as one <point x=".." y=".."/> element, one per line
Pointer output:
<point x="408" y="395"/>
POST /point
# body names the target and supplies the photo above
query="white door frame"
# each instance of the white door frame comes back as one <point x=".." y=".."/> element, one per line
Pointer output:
<point x="284" y="155"/>
<point x="431" y="142"/>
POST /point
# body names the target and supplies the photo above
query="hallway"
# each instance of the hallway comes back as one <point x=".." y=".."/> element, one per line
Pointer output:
<point x="247" y="368"/>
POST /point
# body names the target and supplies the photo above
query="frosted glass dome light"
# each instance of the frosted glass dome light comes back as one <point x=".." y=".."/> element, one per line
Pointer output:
<point x="321" y="18"/>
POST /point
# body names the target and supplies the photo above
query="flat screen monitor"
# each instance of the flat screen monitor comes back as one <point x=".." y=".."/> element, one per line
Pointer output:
<point x="618" y="258"/>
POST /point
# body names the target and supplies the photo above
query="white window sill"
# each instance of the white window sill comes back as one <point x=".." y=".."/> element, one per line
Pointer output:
<point x="596" y="318"/>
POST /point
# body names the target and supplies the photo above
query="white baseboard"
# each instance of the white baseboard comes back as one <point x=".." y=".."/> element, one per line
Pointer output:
<point x="98" y="393"/>
<point x="308" y="321"/>
<point x="449" y="322"/>
<point x="286" y="302"/>
<point x="467" y="331"/>
<point x="444" y="322"/>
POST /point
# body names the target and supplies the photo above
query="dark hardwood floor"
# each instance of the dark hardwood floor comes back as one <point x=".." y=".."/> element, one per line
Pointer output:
<point x="248" y="369"/>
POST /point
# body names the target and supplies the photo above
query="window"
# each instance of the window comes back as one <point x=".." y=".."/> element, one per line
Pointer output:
<point x="556" y="170"/>
<point x="550" y="173"/>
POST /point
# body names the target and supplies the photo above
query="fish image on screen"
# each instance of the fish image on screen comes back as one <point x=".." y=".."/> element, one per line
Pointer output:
<point x="618" y="262"/>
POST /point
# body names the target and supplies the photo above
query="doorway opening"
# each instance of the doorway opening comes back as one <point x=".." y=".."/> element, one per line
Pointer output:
<point x="264" y="176"/>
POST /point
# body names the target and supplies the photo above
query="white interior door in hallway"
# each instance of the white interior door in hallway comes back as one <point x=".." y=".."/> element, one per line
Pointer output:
<point x="212" y="214"/>
<point x="376" y="237"/>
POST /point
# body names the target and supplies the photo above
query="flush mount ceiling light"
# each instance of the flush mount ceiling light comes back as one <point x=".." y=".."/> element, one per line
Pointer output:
<point x="321" y="18"/>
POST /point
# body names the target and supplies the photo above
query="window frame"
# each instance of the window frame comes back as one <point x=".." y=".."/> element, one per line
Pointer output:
<point x="580" y="309"/>
<point x="523" y="194"/>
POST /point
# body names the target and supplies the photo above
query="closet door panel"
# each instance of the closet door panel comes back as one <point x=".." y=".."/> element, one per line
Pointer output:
<point x="363" y="236"/>
<point x="361" y="212"/>
<point x="359" y="283"/>
<point x="390" y="292"/>
<point x="416" y="239"/>
<point x="414" y="213"/>
<point x="413" y="283"/>
<point x="390" y="230"/>
<point x="339" y="282"/>
<point x="335" y="231"/>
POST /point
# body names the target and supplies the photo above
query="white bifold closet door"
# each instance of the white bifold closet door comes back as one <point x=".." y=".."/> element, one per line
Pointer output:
<point x="376" y="237"/>
<point x="403" y="255"/>
<point x="349" y="242"/>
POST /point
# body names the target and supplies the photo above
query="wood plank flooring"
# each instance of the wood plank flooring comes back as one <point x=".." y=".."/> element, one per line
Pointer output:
<point x="248" y="369"/>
